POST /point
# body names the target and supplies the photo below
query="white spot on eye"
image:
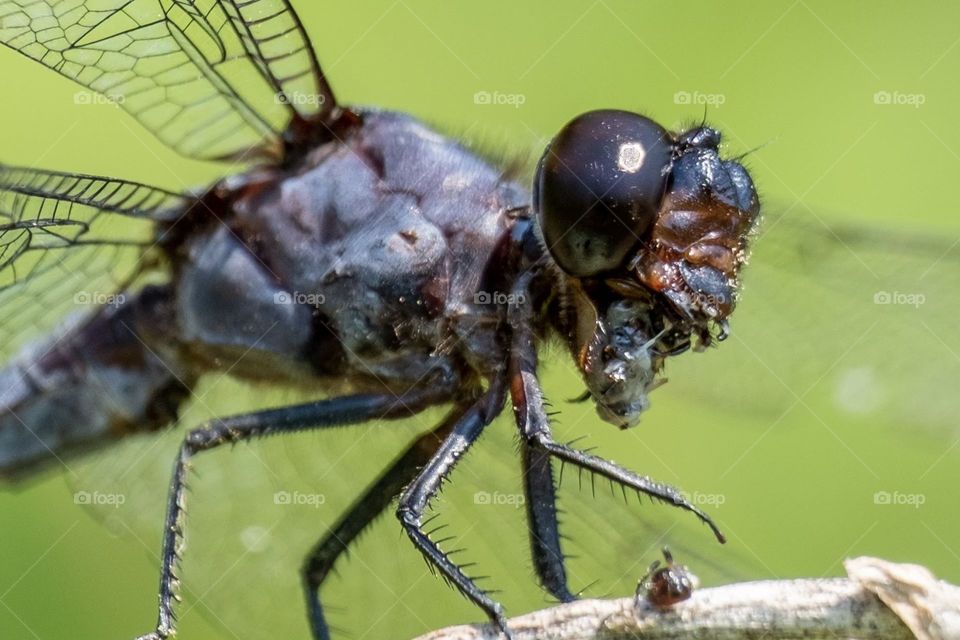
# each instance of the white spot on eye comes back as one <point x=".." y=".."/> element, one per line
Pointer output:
<point x="630" y="157"/>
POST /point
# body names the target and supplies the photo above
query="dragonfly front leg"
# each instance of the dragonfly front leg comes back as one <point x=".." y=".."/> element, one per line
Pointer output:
<point x="364" y="511"/>
<point x="534" y="426"/>
<point x="416" y="498"/>
<point x="544" y="531"/>
<point x="313" y="415"/>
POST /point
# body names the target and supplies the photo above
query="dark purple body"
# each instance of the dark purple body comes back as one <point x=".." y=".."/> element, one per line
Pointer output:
<point x="365" y="268"/>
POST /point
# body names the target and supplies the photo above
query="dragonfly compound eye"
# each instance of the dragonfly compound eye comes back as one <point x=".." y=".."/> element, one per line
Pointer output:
<point x="598" y="188"/>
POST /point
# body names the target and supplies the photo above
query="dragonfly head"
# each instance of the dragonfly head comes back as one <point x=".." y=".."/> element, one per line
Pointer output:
<point x="620" y="198"/>
<point x="631" y="212"/>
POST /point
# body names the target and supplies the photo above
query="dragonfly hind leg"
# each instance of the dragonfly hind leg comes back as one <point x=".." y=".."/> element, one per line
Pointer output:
<point x="321" y="559"/>
<point x="334" y="412"/>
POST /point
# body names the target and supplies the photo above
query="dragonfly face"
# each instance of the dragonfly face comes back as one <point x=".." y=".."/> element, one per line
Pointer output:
<point x="652" y="228"/>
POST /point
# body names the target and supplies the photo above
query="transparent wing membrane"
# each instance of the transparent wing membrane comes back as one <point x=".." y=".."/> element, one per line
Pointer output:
<point x="211" y="79"/>
<point x="67" y="243"/>
<point x="276" y="42"/>
<point x="855" y="319"/>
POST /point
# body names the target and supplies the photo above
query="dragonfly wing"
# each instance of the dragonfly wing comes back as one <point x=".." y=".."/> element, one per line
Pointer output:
<point x="850" y="318"/>
<point x="212" y="79"/>
<point x="68" y="242"/>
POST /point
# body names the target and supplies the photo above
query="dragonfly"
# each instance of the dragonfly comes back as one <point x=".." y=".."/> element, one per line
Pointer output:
<point x="364" y="256"/>
<point x="446" y="277"/>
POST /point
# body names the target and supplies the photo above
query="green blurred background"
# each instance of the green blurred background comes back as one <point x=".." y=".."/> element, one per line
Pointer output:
<point x="794" y="488"/>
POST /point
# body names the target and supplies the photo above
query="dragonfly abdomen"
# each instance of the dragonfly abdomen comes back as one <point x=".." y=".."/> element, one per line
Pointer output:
<point x="89" y="385"/>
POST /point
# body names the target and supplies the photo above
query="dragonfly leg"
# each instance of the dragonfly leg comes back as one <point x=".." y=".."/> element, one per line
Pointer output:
<point x="364" y="511"/>
<point x="313" y="415"/>
<point x="415" y="499"/>
<point x="534" y="425"/>
<point x="542" y="518"/>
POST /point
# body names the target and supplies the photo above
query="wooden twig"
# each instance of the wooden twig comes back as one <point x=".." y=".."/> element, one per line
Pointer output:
<point x="878" y="600"/>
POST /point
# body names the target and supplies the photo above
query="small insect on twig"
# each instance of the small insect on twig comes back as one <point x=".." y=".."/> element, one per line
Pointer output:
<point x="665" y="585"/>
